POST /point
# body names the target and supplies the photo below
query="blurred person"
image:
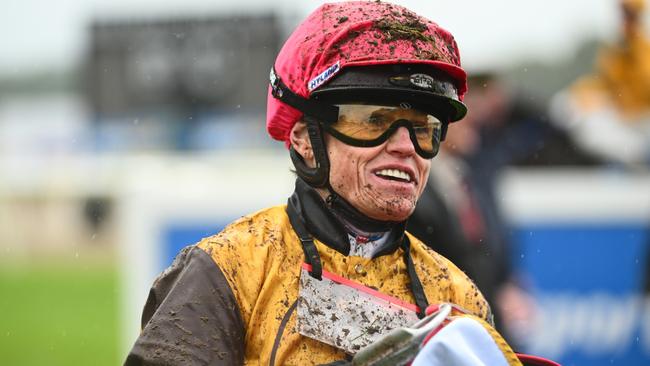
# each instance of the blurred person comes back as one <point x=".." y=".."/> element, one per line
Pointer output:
<point x="472" y="232"/>
<point x="608" y="111"/>
<point x="513" y="130"/>
<point x="361" y="93"/>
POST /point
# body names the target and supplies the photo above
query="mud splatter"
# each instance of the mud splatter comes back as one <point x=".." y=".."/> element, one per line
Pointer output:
<point x="412" y="29"/>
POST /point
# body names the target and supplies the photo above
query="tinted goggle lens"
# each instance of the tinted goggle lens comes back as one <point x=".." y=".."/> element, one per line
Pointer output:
<point x="371" y="125"/>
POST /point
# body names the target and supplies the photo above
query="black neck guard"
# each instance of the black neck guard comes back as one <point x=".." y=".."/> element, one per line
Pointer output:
<point x="321" y="220"/>
<point x="344" y="210"/>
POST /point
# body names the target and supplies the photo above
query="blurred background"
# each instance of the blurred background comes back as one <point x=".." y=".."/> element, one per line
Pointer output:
<point x="129" y="129"/>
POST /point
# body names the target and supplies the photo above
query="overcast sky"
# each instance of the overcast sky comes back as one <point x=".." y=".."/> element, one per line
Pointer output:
<point x="41" y="35"/>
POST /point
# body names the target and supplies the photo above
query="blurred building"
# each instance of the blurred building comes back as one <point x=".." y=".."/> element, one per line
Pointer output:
<point x="166" y="83"/>
<point x="146" y="85"/>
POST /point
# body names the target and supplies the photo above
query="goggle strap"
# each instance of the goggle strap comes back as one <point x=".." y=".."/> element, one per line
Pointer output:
<point x="279" y="90"/>
<point x="443" y="132"/>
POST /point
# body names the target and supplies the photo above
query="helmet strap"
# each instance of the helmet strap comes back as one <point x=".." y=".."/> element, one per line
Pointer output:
<point x="317" y="177"/>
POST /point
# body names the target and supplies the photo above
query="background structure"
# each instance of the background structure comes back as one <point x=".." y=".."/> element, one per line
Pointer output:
<point x="131" y="128"/>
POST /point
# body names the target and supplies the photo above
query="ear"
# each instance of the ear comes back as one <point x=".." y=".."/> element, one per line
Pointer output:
<point x="299" y="138"/>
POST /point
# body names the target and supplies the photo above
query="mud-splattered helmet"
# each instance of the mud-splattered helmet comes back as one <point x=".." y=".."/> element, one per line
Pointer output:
<point x="361" y="51"/>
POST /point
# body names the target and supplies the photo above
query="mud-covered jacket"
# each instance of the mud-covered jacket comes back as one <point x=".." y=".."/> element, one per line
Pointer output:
<point x="231" y="298"/>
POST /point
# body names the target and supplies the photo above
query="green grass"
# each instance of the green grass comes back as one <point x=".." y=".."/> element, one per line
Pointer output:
<point x="58" y="315"/>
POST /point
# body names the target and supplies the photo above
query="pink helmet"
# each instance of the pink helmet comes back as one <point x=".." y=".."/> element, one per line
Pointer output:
<point x="339" y="36"/>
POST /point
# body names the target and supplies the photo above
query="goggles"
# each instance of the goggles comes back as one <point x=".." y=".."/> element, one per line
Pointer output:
<point x="371" y="125"/>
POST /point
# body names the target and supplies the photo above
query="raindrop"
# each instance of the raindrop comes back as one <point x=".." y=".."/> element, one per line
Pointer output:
<point x="136" y="121"/>
<point x="238" y="106"/>
<point x="93" y="236"/>
<point x="522" y="256"/>
<point x="76" y="255"/>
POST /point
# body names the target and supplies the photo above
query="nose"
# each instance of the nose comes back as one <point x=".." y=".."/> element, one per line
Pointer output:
<point x="400" y="142"/>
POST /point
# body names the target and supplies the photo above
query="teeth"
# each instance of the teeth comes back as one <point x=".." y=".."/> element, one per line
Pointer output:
<point x="395" y="174"/>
